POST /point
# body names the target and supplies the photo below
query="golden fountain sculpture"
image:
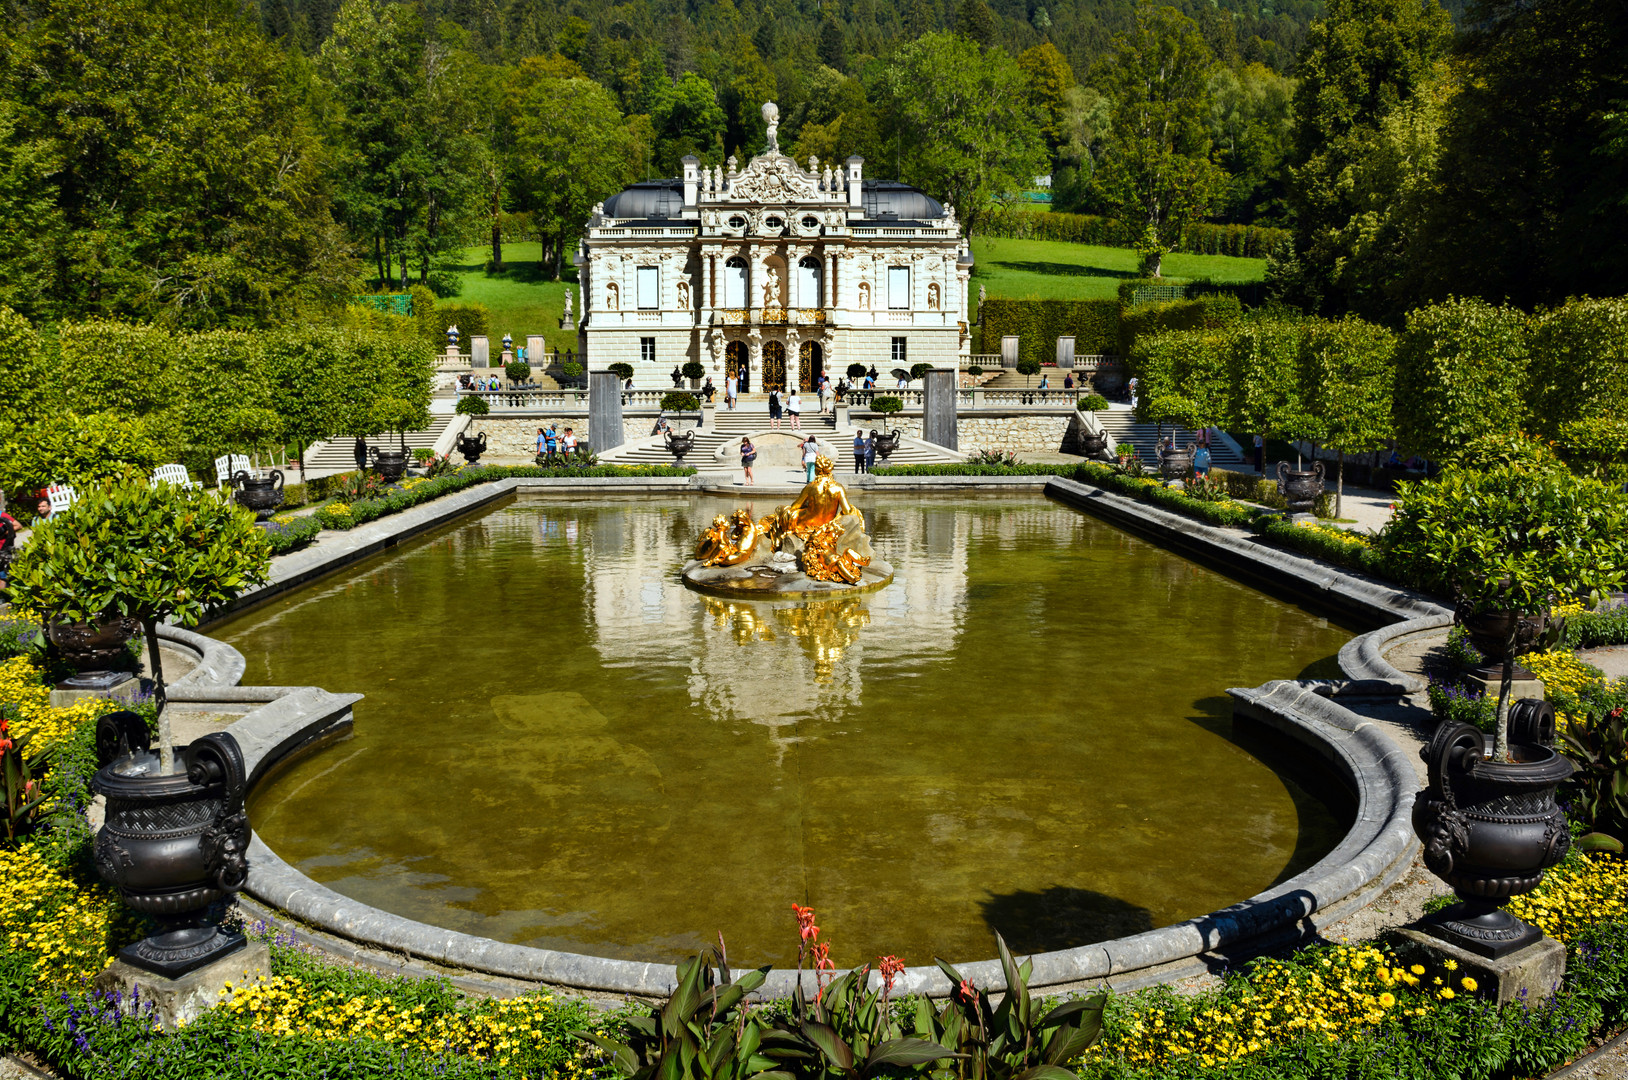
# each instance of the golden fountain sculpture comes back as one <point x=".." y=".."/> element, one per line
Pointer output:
<point x="817" y="544"/>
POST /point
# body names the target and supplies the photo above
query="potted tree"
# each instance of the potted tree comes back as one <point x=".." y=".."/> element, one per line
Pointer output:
<point x="175" y="835"/>
<point x="695" y="371"/>
<point x="1506" y="543"/>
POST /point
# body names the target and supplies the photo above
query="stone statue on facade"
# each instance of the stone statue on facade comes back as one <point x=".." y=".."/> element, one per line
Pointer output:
<point x="771" y="288"/>
<point x="771" y="117"/>
<point x="566" y="322"/>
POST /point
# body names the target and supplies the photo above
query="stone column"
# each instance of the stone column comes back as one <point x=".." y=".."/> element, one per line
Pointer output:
<point x="480" y="352"/>
<point x="536" y="352"/>
<point x="604" y="411"/>
<point x="1065" y="352"/>
<point x="794" y="359"/>
<point x="938" y="408"/>
<point x="1009" y="351"/>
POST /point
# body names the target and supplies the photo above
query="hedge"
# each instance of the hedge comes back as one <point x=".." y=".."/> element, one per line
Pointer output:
<point x="1204" y="313"/>
<point x="472" y="321"/>
<point x="1461" y="372"/>
<point x="1039" y="323"/>
<point x="1244" y="241"/>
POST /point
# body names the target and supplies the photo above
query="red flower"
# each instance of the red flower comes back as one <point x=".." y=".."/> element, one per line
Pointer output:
<point x="891" y="967"/>
<point x="822" y="958"/>
<point x="966" y="991"/>
<point x="805" y="922"/>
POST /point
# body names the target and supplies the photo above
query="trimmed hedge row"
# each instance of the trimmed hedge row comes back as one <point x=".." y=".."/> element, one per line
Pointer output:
<point x="1243" y="241"/>
<point x="1039" y="323"/>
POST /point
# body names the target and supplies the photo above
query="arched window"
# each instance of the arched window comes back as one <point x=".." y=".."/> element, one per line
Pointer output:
<point x="735" y="283"/>
<point x="808" y="283"/>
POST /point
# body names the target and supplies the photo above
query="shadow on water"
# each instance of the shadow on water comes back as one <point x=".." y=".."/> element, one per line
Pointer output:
<point x="1062" y="269"/>
<point x="1061" y="918"/>
<point x="1324" y="818"/>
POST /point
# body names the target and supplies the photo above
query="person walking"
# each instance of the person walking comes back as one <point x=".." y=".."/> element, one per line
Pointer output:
<point x="729" y="391"/>
<point x="870" y="451"/>
<point x="825" y="395"/>
<point x="1131" y="386"/>
<point x="359" y="451"/>
<point x="1260" y="454"/>
<point x="859" y="451"/>
<point x="748" y="457"/>
<point x="568" y="445"/>
<point x="1045" y="383"/>
<point x="1201" y="463"/>
<point x="794" y="407"/>
<point x="811" y="453"/>
<point x="1068" y="381"/>
<point x="774" y="409"/>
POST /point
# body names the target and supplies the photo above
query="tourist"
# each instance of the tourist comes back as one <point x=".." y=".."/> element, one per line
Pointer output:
<point x="904" y="379"/>
<point x="551" y="440"/>
<point x="748" y="456"/>
<point x="825" y="395"/>
<point x="629" y="384"/>
<point x="678" y="377"/>
<point x="568" y="445"/>
<point x="774" y="408"/>
<point x="359" y="452"/>
<point x="662" y="428"/>
<point x="811" y="454"/>
<point x="42" y="512"/>
<point x="1201" y="463"/>
<point x="1131" y="386"/>
<point x="794" y="408"/>
<point x="1260" y="454"/>
<point x="542" y="442"/>
<point x="1045" y="383"/>
<point x="870" y="382"/>
<point x="730" y="382"/>
<point x="859" y="450"/>
<point x="8" y="543"/>
<point x="870" y="451"/>
<point x="1068" y="381"/>
<point x="708" y="390"/>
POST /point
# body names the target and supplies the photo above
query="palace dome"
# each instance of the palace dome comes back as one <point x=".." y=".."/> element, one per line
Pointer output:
<point x="887" y="200"/>
<point x="647" y="199"/>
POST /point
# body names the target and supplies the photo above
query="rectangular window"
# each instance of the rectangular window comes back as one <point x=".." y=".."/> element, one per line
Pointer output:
<point x="808" y="284"/>
<point x="899" y="353"/>
<point x="649" y="287"/>
<point x="898" y="286"/>
<point x="735" y="284"/>
<point x="647" y="350"/>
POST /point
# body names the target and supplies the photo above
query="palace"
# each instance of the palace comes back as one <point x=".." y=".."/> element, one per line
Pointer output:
<point x="772" y="273"/>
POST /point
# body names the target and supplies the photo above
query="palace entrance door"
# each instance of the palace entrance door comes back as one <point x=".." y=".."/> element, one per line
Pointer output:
<point x="774" y="366"/>
<point x="736" y="365"/>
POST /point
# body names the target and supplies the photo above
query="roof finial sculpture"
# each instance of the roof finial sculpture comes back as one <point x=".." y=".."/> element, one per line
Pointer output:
<point x="771" y="117"/>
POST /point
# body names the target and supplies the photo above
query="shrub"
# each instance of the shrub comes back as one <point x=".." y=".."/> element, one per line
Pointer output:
<point x="623" y="371"/>
<point x="80" y="450"/>
<point x="693" y="369"/>
<point x="473" y="405"/>
<point x="678" y="401"/>
<point x="1461" y="372"/>
<point x="972" y="369"/>
<point x="1326" y="542"/>
<point x="1125" y="450"/>
<point x="1592" y="629"/>
<point x="1092" y="403"/>
<point x="1094" y="325"/>
<point x="286" y="533"/>
<point x="472" y="321"/>
<point x="857" y="371"/>
<point x="1146" y="320"/>
<point x="887" y="404"/>
<point x="1241" y="241"/>
<point x="919" y="371"/>
<point x="517" y="371"/>
<point x="571" y="369"/>
<point x="422" y="454"/>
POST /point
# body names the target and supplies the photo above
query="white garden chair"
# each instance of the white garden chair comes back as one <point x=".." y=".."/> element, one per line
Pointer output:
<point x="173" y="474"/>
<point x="228" y="466"/>
<point x="61" y="496"/>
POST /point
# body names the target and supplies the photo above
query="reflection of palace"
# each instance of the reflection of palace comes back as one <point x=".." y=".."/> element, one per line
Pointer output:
<point x="773" y="272"/>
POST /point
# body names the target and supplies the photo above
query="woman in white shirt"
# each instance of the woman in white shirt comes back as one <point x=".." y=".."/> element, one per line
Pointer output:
<point x="811" y="452"/>
<point x="794" y="409"/>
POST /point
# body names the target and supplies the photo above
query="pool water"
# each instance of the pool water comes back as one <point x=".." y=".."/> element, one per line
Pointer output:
<point x="563" y="746"/>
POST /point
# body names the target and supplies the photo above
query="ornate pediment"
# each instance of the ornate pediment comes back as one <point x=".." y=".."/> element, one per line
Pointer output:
<point x="770" y="178"/>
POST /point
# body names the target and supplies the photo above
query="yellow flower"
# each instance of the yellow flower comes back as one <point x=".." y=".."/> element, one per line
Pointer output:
<point x="1387" y="1000"/>
<point x="1469" y="984"/>
<point x="1417" y="969"/>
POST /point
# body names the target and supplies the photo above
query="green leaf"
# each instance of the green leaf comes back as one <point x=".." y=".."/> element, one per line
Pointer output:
<point x="907" y="1052"/>
<point x="830" y="1044"/>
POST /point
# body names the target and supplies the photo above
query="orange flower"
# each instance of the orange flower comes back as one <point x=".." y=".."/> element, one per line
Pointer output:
<point x="805" y="922"/>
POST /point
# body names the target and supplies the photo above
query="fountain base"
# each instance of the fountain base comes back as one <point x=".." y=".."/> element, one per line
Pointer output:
<point x="778" y="579"/>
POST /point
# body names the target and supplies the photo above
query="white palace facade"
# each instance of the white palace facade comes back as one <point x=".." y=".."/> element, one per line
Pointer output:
<point x="773" y="273"/>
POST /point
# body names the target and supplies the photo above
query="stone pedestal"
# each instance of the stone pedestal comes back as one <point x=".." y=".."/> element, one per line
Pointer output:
<point x="1530" y="974"/>
<point x="536" y="352"/>
<point x="604" y="411"/>
<point x="506" y="359"/>
<point x="480" y="352"/>
<point x="1065" y="352"/>
<point x="123" y="686"/>
<point x="178" y="1002"/>
<point x="1523" y="685"/>
<point x="1009" y="351"/>
<point x="452" y="356"/>
<point x="938" y="408"/>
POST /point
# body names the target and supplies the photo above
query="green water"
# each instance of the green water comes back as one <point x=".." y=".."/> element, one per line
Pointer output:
<point x="564" y="747"/>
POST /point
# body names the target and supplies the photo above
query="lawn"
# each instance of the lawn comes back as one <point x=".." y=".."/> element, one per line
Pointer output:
<point x="1053" y="270"/>
<point x="521" y="301"/>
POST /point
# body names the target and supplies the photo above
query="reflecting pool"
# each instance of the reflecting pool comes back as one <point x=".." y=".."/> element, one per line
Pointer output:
<point x="564" y="747"/>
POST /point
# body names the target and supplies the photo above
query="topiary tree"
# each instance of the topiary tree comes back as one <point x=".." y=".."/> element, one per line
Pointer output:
<point x="1182" y="379"/>
<point x="693" y="369"/>
<point x="157" y="554"/>
<point x="919" y="371"/>
<point x="678" y="401"/>
<point x="517" y="371"/>
<point x="1028" y="366"/>
<point x="857" y="371"/>
<point x="1461" y="371"/>
<point x="78" y="450"/>
<point x="1342" y="366"/>
<point x="472" y="405"/>
<point x="1267" y="390"/>
<point x="622" y="371"/>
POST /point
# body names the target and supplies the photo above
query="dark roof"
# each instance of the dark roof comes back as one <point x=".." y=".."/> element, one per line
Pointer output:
<point x="889" y="200"/>
<point x="647" y="199"/>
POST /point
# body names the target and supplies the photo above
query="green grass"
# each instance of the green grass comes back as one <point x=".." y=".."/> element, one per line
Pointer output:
<point x="1052" y="270"/>
<point x="521" y="301"/>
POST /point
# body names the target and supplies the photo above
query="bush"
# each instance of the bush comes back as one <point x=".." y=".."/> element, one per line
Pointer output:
<point x="693" y="369"/>
<point x="1592" y="629"/>
<point x="1241" y="241"/>
<point x="80" y="450"/>
<point x="571" y="369"/>
<point x="857" y="371"/>
<point x="887" y="404"/>
<point x="1460" y="373"/>
<point x="972" y="369"/>
<point x="1326" y="542"/>
<point x="678" y="401"/>
<point x="623" y="371"/>
<point x="1137" y="323"/>
<point x="288" y="533"/>
<point x="517" y="371"/>
<point x="472" y="321"/>
<point x="422" y="454"/>
<point x="473" y="405"/>
<point x="1094" y="325"/>
<point x="1091" y="403"/>
<point x="919" y="371"/>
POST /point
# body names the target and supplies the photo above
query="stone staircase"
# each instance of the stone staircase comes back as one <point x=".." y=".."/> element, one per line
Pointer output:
<point x="338" y="455"/>
<point x="1121" y="426"/>
<point x="752" y="416"/>
<point x="1011" y="380"/>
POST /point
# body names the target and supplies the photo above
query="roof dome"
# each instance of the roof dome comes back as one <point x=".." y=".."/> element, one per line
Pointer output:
<point x="889" y="199"/>
<point x="647" y="199"/>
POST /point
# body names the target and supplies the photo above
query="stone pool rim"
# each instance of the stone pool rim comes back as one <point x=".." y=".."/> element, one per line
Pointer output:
<point x="1375" y="851"/>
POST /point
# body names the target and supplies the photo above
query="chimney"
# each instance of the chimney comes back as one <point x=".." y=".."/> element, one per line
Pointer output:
<point x="855" y="194"/>
<point x="692" y="180"/>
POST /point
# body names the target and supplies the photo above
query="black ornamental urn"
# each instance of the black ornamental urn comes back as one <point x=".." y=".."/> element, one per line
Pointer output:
<point x="472" y="449"/>
<point x="1490" y="829"/>
<point x="1300" y="487"/>
<point x="389" y="464"/>
<point x="679" y="445"/>
<point x="262" y="494"/>
<point x="1093" y="443"/>
<point x="1497" y="635"/>
<point x="1177" y="463"/>
<point x="96" y="651"/>
<point x="176" y="845"/>
<point x="885" y="443"/>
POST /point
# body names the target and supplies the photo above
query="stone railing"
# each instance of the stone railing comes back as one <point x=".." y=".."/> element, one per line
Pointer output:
<point x="529" y="399"/>
<point x="971" y="399"/>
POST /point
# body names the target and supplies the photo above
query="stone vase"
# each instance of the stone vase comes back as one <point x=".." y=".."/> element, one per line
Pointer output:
<point x="94" y="650"/>
<point x="1300" y="487"/>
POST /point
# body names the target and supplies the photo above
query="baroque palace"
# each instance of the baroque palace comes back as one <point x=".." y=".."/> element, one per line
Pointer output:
<point x="772" y="273"/>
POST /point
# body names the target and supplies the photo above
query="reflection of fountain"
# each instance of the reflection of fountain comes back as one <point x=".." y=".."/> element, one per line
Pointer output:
<point x="815" y="545"/>
<point x="825" y="629"/>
